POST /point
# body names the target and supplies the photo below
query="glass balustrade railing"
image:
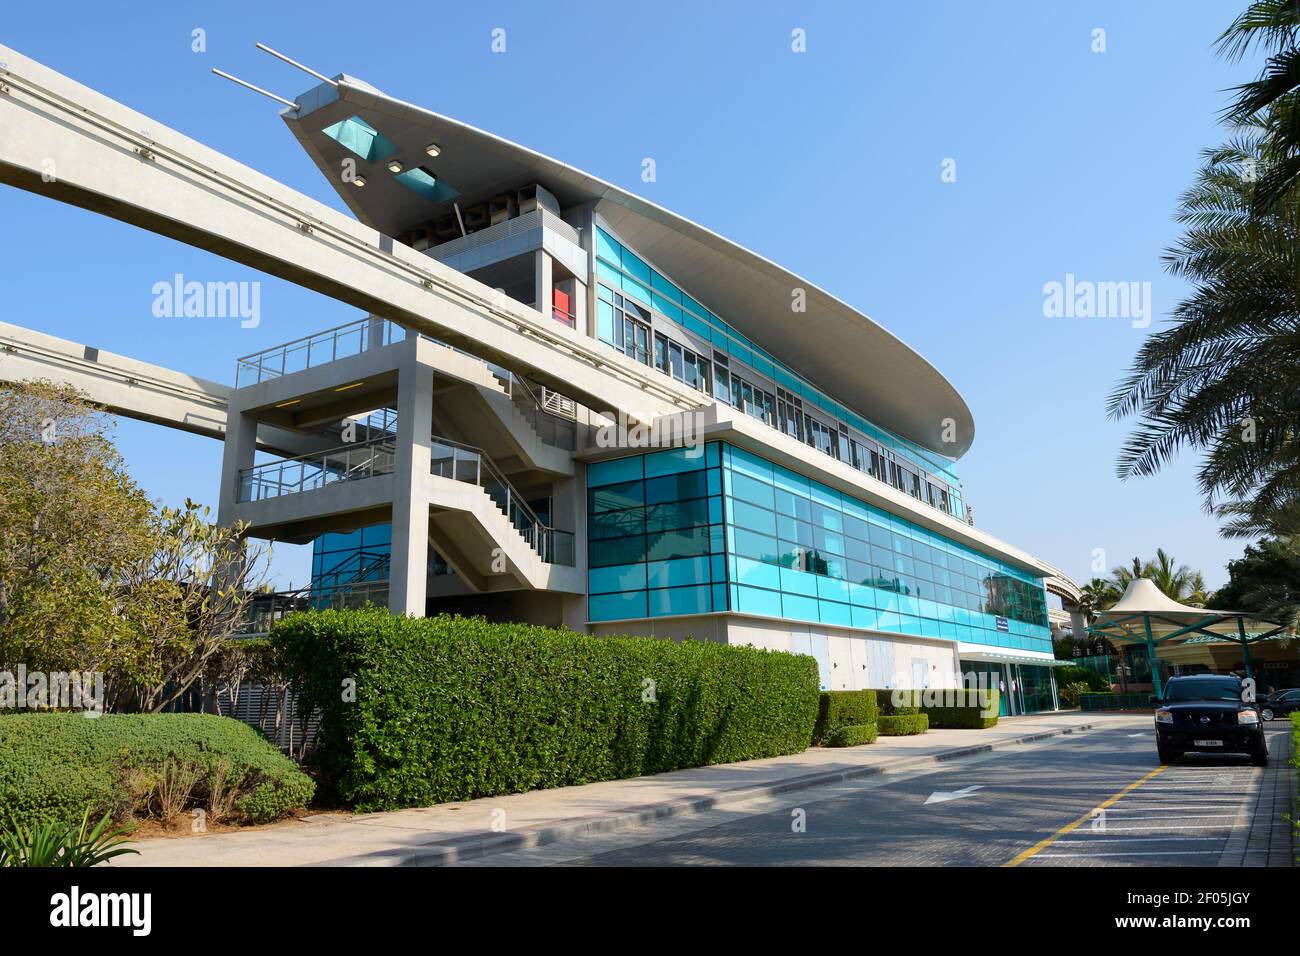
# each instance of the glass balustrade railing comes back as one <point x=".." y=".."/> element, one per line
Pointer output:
<point x="448" y="459"/>
<point x="309" y="472"/>
<point x="551" y="416"/>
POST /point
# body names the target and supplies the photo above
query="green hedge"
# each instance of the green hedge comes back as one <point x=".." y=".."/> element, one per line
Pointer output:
<point x="850" y="735"/>
<point x="1115" y="701"/>
<point x="452" y="708"/>
<point x="1073" y="674"/>
<point x="941" y="717"/>
<point x="887" y="707"/>
<point x="54" y="766"/>
<point x="844" y="707"/>
<point x="902" y="725"/>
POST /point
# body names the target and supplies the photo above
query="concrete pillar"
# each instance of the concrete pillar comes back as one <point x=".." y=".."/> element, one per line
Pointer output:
<point x="580" y="306"/>
<point x="237" y="455"/>
<point x="408" y="569"/>
<point x="375" y="333"/>
<point x="1077" y="624"/>
<point x="542" y="282"/>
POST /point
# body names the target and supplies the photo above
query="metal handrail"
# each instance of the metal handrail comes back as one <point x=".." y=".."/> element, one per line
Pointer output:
<point x="462" y="462"/>
<point x="560" y="432"/>
<point x="364" y="328"/>
<point x="346" y="463"/>
<point x="259" y="368"/>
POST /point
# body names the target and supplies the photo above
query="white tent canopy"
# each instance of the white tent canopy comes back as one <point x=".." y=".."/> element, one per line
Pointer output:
<point x="1146" y="615"/>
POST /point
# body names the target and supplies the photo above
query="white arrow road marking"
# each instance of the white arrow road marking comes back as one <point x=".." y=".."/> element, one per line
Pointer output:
<point x="940" y="796"/>
<point x="1139" y="735"/>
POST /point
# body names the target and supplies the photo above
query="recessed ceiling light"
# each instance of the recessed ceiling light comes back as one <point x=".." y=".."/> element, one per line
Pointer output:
<point x="433" y="149"/>
<point x="358" y="181"/>
<point x="292" y="401"/>
<point x="344" y="388"/>
<point x="394" y="166"/>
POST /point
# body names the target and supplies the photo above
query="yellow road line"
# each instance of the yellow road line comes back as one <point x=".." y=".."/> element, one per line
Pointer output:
<point x="1110" y="802"/>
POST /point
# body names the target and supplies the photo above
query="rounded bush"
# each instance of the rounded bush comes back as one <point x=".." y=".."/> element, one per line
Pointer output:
<point x="54" y="766"/>
<point x="850" y="735"/>
<point x="903" y="725"/>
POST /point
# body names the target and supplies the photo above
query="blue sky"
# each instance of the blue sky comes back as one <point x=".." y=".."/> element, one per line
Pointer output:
<point x="828" y="162"/>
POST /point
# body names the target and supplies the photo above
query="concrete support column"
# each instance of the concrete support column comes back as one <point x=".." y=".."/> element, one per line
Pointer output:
<point x="1077" y="624"/>
<point x="375" y="333"/>
<point x="580" y="306"/>
<point x="408" y="572"/>
<point x="543" y="282"/>
<point x="237" y="456"/>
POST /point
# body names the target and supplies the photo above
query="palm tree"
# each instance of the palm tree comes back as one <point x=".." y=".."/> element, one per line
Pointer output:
<point x="1176" y="581"/>
<point x="1224" y="379"/>
<point x="1272" y="26"/>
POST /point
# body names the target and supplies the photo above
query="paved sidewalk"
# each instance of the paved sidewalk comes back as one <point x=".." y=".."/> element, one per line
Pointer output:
<point x="431" y="836"/>
<point x="1270" y="841"/>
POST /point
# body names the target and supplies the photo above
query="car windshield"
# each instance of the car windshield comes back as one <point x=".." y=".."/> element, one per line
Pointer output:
<point x="1210" y="688"/>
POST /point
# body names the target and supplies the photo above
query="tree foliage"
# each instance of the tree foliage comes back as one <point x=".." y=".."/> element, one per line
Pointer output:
<point x="96" y="577"/>
<point x="1264" y="581"/>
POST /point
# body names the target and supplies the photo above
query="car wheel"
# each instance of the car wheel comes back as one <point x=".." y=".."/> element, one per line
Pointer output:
<point x="1266" y="713"/>
<point x="1168" y="756"/>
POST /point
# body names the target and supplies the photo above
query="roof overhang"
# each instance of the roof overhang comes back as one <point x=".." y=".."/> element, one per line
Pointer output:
<point x="833" y="345"/>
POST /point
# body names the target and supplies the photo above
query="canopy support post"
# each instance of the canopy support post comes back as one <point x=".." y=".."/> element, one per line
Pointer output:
<point x="1151" y="657"/>
<point x="1245" y="648"/>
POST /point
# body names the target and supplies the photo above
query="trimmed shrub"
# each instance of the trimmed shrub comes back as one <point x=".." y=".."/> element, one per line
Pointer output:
<point x="887" y="707"/>
<point x="849" y="707"/>
<point x="453" y="708"/>
<point x="1073" y="674"/>
<point x="849" y="735"/>
<point x="902" y="725"/>
<point x="941" y="717"/>
<point x="53" y="767"/>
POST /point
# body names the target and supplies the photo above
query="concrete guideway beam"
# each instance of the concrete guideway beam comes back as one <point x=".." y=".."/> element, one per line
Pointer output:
<point x="134" y="389"/>
<point x="115" y="161"/>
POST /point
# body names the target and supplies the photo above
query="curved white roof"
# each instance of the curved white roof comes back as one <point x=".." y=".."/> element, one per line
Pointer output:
<point x="839" y="349"/>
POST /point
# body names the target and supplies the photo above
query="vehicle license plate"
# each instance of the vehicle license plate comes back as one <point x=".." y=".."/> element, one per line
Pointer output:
<point x="1208" y="743"/>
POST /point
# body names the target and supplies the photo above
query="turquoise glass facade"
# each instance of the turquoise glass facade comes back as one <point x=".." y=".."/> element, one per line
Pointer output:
<point x="621" y="269"/>
<point x="802" y="551"/>
<point x="655" y="539"/>
<point x="340" y="557"/>
<point x="729" y="530"/>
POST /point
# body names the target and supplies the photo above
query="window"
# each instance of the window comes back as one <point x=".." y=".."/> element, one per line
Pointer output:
<point x="822" y="437"/>
<point x="751" y="399"/>
<point x="722" y="378"/>
<point x="789" y="414"/>
<point x="631" y="332"/>
<point x="683" y="364"/>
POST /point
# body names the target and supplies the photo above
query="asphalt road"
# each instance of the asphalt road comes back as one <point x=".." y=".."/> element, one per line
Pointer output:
<point x="1036" y="806"/>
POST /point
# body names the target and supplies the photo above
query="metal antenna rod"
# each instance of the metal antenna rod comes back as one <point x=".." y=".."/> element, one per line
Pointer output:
<point x="256" y="89"/>
<point x="306" y="69"/>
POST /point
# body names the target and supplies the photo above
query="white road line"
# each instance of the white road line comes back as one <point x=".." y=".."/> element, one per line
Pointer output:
<point x="1208" y="826"/>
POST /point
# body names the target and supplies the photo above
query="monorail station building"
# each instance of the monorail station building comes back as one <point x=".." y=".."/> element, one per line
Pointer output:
<point x="558" y="402"/>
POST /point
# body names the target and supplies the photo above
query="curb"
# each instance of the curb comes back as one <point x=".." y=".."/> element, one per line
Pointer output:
<point x="476" y="847"/>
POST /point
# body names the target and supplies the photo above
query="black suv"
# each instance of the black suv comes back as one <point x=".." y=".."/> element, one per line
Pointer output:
<point x="1206" y="714"/>
<point x="1280" y="703"/>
